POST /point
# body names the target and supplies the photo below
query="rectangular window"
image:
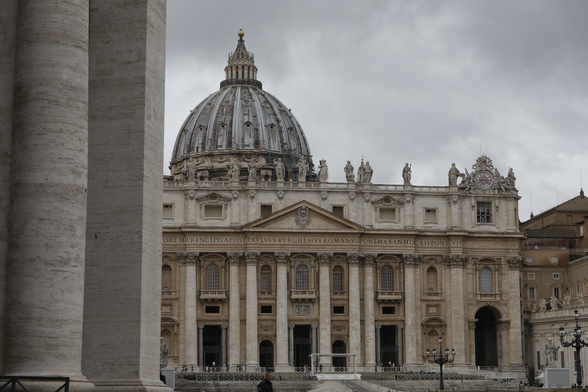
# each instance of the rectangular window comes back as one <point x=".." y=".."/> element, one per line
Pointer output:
<point x="388" y="310"/>
<point x="338" y="309"/>
<point x="212" y="309"/>
<point x="265" y="309"/>
<point x="338" y="210"/>
<point x="556" y="292"/>
<point x="213" y="211"/>
<point x="430" y="215"/>
<point x="554" y="260"/>
<point x="484" y="212"/>
<point x="529" y="259"/>
<point x="531" y="276"/>
<point x="266" y="209"/>
<point x="531" y="292"/>
<point x="168" y="211"/>
<point x="388" y="214"/>
<point x="555" y="276"/>
<point x="577" y="289"/>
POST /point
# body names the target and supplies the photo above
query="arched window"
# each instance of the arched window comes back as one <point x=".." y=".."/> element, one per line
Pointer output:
<point x="432" y="281"/>
<point x="266" y="278"/>
<point x="387" y="278"/>
<point x="302" y="281"/>
<point x="166" y="278"/>
<point x="486" y="281"/>
<point x="337" y="278"/>
<point x="212" y="277"/>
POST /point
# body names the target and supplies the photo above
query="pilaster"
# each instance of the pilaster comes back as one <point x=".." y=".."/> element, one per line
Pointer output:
<point x="412" y="312"/>
<point x="190" y="262"/>
<point x="251" y="343"/>
<point x="354" y="308"/>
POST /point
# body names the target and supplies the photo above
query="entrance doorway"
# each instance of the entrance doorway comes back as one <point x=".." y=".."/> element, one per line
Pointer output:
<point x="388" y="346"/>
<point x="211" y="346"/>
<point x="302" y="345"/>
<point x="339" y="363"/>
<point x="266" y="355"/>
<point x="486" y="339"/>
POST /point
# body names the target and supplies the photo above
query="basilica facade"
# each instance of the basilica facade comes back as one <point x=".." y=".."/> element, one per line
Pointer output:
<point x="265" y="261"/>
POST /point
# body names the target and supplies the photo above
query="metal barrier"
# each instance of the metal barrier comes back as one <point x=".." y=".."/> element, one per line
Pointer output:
<point x="14" y="381"/>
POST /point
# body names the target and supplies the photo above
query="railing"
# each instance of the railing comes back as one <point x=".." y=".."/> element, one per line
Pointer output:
<point x="303" y="295"/>
<point x="214" y="295"/>
<point x="170" y="183"/>
<point x="169" y="293"/>
<point x="389" y="295"/>
<point x="487" y="296"/>
<point x="14" y="381"/>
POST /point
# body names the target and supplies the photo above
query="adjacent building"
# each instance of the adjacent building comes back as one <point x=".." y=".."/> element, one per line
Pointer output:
<point x="265" y="261"/>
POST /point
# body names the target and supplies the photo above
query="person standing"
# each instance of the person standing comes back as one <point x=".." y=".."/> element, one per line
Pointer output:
<point x="266" y="384"/>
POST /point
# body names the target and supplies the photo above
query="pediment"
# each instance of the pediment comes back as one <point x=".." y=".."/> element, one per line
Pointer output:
<point x="303" y="216"/>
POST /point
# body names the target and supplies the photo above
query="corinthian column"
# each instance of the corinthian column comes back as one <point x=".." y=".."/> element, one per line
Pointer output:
<point x="354" y="311"/>
<point x="515" y="354"/>
<point x="368" y="310"/>
<point x="282" y="312"/>
<point x="46" y="239"/>
<point x="412" y="324"/>
<point x="324" y="308"/>
<point x="190" y="263"/>
<point x="251" y="350"/>
<point x="457" y="306"/>
<point x="234" y="309"/>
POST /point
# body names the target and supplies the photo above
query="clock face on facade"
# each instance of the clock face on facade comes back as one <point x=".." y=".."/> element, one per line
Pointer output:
<point x="484" y="179"/>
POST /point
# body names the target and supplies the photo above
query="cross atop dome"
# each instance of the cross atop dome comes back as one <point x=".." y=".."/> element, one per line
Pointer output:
<point x="241" y="68"/>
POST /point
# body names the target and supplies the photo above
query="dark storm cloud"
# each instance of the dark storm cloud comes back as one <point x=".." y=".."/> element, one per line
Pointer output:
<point x="426" y="82"/>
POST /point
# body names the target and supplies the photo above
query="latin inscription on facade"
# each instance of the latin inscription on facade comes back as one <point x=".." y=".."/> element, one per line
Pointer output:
<point x="441" y="243"/>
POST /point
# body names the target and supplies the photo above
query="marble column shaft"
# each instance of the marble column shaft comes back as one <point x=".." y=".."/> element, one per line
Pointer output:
<point x="122" y="311"/>
<point x="354" y="309"/>
<point x="251" y="346"/>
<point x="324" y="308"/>
<point x="8" y="19"/>
<point x="457" y="306"/>
<point x="49" y="173"/>
<point x="369" y="316"/>
<point x="281" y="310"/>
<point x="515" y="340"/>
<point x="234" y="309"/>
<point x="191" y="322"/>
<point x="412" y="313"/>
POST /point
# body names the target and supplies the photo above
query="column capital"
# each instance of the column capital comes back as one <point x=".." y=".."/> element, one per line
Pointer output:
<point x="369" y="259"/>
<point x="282" y="257"/>
<point x="458" y="261"/>
<point x="353" y="258"/>
<point x="188" y="258"/>
<point x="234" y="258"/>
<point x="411" y="260"/>
<point x="324" y="258"/>
<point x="251" y="257"/>
<point x="314" y="326"/>
<point x="514" y="263"/>
<point x="291" y="326"/>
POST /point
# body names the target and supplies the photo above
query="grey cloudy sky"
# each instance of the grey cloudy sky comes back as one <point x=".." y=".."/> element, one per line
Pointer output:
<point x="423" y="82"/>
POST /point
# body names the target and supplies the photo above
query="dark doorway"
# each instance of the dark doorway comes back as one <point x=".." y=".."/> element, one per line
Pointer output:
<point x="266" y="355"/>
<point x="211" y="346"/>
<point x="388" y="346"/>
<point x="486" y="340"/>
<point x="339" y="363"/>
<point x="302" y="345"/>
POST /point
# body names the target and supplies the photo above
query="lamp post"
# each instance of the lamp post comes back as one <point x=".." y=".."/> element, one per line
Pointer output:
<point x="577" y="343"/>
<point x="441" y="359"/>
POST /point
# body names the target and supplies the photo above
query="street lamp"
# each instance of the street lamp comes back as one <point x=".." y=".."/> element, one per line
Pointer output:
<point x="442" y="359"/>
<point x="576" y="343"/>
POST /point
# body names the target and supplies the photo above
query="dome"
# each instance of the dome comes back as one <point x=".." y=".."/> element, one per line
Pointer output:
<point x="240" y="123"/>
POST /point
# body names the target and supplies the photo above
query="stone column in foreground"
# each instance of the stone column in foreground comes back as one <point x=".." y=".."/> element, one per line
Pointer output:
<point x="122" y="314"/>
<point x="369" y="316"/>
<point x="234" y="310"/>
<point x="354" y="310"/>
<point x="49" y="173"/>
